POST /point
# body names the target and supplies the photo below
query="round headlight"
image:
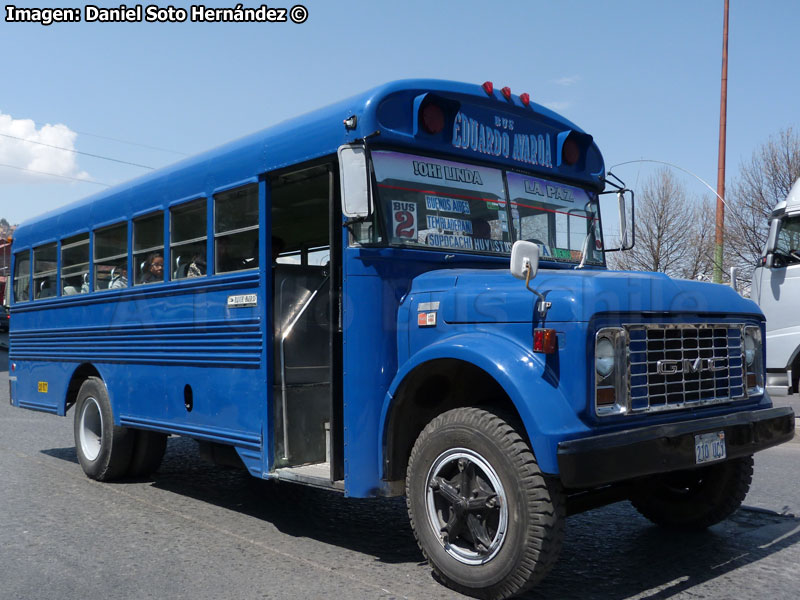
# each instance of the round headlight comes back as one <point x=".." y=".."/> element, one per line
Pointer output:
<point x="604" y="357"/>
<point x="749" y="348"/>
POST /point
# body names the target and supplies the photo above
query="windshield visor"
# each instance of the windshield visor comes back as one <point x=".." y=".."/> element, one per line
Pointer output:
<point x="433" y="203"/>
<point x="560" y="218"/>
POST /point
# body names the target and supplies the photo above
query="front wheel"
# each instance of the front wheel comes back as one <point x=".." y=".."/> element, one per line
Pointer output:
<point x="489" y="523"/>
<point x="695" y="499"/>
<point x="104" y="449"/>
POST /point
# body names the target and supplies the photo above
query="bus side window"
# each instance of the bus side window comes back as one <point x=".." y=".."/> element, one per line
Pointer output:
<point x="188" y="236"/>
<point x="75" y="265"/>
<point x="111" y="257"/>
<point x="45" y="263"/>
<point x="148" y="248"/>
<point x="236" y="229"/>
<point x="22" y="277"/>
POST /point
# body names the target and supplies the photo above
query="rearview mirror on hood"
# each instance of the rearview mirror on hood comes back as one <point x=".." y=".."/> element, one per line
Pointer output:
<point x="524" y="258"/>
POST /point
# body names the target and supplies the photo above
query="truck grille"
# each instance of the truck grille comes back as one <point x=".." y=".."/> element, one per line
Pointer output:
<point x="680" y="366"/>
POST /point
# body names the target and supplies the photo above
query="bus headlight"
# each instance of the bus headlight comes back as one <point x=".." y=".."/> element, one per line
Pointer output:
<point x="754" y="367"/>
<point x="610" y="372"/>
<point x="749" y="348"/>
<point x="604" y="357"/>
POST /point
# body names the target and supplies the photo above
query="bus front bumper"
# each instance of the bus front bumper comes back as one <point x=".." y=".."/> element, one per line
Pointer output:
<point x="608" y="458"/>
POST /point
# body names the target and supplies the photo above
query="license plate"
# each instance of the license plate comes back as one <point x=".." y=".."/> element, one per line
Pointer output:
<point x="709" y="447"/>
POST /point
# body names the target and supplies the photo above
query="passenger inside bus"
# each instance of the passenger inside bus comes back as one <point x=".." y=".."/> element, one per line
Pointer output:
<point x="153" y="271"/>
<point x="119" y="277"/>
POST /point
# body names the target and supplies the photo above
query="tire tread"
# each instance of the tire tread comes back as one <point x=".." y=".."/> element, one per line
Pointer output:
<point x="545" y="532"/>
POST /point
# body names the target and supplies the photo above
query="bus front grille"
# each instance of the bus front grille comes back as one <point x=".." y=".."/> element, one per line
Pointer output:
<point x="674" y="366"/>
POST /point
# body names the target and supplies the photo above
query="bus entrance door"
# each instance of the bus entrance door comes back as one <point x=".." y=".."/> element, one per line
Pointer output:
<point x="302" y="390"/>
<point x="305" y="410"/>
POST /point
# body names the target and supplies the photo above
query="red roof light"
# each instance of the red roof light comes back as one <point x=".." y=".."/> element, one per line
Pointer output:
<point x="525" y="98"/>
<point x="488" y="87"/>
<point x="506" y="92"/>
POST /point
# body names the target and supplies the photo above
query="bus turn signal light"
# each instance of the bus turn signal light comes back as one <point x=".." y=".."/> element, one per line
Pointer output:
<point x="545" y="341"/>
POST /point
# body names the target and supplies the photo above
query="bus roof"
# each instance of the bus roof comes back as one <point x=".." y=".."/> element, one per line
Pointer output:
<point x="384" y="109"/>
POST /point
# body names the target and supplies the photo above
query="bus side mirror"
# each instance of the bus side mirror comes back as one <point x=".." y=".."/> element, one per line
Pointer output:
<point x="619" y="230"/>
<point x="524" y="260"/>
<point x="353" y="176"/>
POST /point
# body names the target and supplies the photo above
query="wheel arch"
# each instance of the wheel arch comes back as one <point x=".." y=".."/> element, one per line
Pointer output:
<point x="81" y="373"/>
<point x="467" y="370"/>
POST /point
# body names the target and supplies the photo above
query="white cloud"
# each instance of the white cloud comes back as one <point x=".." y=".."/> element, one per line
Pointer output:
<point x="571" y="80"/>
<point x="36" y="156"/>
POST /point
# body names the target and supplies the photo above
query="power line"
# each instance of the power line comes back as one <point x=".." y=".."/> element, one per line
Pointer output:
<point x="103" y="137"/>
<point x="55" y="175"/>
<point x="116" y="160"/>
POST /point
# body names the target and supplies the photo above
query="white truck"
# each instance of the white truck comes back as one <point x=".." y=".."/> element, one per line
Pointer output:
<point x="776" y="289"/>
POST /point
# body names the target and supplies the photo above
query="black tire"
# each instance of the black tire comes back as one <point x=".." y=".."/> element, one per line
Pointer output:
<point x="148" y="450"/>
<point x="496" y="552"/>
<point x="104" y="449"/>
<point x="697" y="498"/>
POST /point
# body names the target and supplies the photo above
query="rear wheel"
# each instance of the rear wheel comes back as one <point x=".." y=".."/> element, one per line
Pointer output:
<point x="104" y="449"/>
<point x="695" y="499"/>
<point x="488" y="521"/>
<point x="148" y="451"/>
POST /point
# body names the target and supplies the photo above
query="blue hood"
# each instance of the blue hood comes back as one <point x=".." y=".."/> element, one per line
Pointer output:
<point x="494" y="296"/>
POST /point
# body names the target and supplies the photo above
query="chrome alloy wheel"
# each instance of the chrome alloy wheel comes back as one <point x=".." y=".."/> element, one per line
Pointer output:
<point x="91" y="429"/>
<point x="466" y="506"/>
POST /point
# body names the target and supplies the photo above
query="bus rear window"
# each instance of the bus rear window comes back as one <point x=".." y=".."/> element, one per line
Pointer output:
<point x="45" y="271"/>
<point x="22" y="277"/>
<point x="441" y="204"/>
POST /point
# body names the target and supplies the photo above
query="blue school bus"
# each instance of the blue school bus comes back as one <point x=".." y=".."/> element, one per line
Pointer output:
<point x="337" y="301"/>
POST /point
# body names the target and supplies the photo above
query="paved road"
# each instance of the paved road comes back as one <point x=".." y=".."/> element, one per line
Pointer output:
<point x="196" y="531"/>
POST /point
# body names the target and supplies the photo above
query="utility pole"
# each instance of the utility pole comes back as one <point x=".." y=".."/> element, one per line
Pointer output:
<point x="723" y="109"/>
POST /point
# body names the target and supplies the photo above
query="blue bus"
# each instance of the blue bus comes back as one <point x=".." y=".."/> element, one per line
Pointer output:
<point x="336" y="301"/>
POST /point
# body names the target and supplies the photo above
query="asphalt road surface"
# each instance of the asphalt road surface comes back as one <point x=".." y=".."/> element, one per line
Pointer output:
<point x="197" y="531"/>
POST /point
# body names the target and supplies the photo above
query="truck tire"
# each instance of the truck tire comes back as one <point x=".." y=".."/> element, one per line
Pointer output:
<point x="487" y="520"/>
<point x="104" y="449"/>
<point x="697" y="498"/>
<point x="148" y="450"/>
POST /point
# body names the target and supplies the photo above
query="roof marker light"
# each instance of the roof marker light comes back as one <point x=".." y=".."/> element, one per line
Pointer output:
<point x="506" y="93"/>
<point x="488" y="87"/>
<point x="525" y="98"/>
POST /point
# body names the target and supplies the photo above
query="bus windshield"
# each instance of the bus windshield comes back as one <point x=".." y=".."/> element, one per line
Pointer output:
<point x="434" y="203"/>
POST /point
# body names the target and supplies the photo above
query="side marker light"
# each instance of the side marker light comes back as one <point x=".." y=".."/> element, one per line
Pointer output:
<point x="545" y="341"/>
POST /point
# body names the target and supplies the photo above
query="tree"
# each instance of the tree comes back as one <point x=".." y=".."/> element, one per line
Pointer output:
<point x="762" y="182"/>
<point x="672" y="233"/>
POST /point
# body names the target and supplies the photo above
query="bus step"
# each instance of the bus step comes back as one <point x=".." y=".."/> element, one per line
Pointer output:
<point x="316" y="475"/>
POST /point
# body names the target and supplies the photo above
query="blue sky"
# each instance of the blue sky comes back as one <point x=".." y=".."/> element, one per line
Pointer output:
<point x="642" y="77"/>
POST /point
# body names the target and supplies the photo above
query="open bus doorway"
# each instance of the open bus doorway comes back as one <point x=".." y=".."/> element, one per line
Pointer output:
<point x="306" y="344"/>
